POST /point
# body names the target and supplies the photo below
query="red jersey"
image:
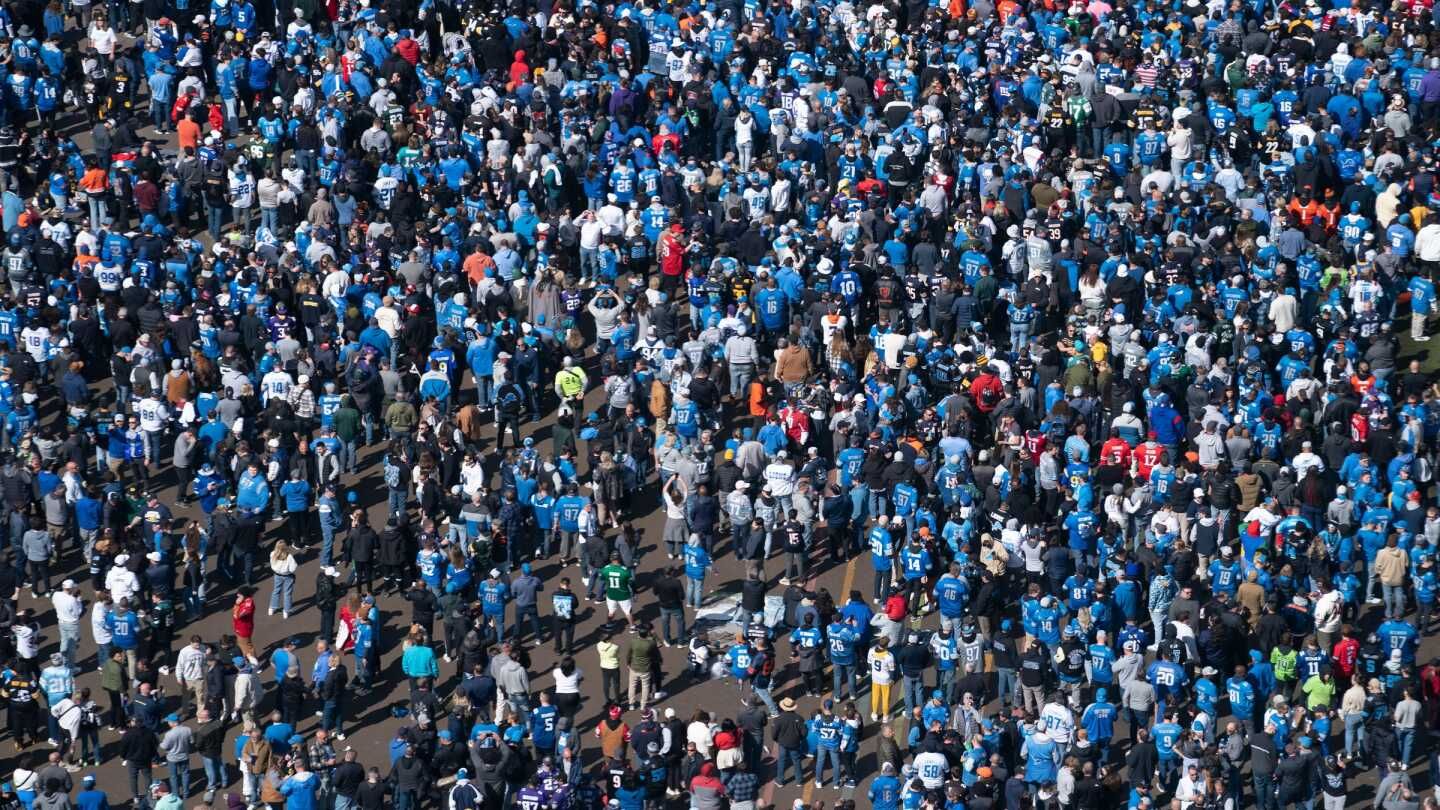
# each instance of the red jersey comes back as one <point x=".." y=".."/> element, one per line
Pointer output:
<point x="1035" y="442"/>
<point x="1115" y="453"/>
<point x="1147" y="456"/>
<point x="1343" y="657"/>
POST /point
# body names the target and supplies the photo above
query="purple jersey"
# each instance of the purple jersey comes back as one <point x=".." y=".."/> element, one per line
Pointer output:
<point x="530" y="798"/>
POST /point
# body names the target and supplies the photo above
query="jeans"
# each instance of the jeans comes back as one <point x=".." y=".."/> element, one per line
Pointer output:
<point x="914" y="687"/>
<point x="282" y="590"/>
<point x="845" y="673"/>
<point x="1265" y="792"/>
<point x="99" y="214"/>
<point x="397" y="500"/>
<point x="763" y="692"/>
<point x="1005" y="683"/>
<point x="1394" y="596"/>
<point x="694" y="592"/>
<point x="498" y="620"/>
<point x="69" y="641"/>
<point x="533" y="613"/>
<point x="1354" y="733"/>
<point x="215" y="778"/>
<point x="348" y="453"/>
<point x="215" y="219"/>
<point x="180" y="778"/>
<point x="140" y="778"/>
<point x="821" y="756"/>
<point x="883" y="577"/>
<point x="331" y="718"/>
<point x="1406" y="739"/>
<point x="1019" y="335"/>
<point x="406" y="800"/>
<point x="782" y="764"/>
<point x="677" y="616"/>
<point x="740" y="377"/>
<point x="1167" y="769"/>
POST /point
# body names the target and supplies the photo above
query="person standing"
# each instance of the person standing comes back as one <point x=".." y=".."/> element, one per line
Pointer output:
<point x="619" y="591"/>
<point x="526" y="589"/>
<point x="69" y="612"/>
<point x="210" y="744"/>
<point x="302" y="788"/>
<point x="564" y="603"/>
<point x="242" y="621"/>
<point x="327" y="598"/>
<point x="177" y="745"/>
<point x="639" y="657"/>
<point x="190" y="672"/>
<point x="39" y="549"/>
<point x="138" y="750"/>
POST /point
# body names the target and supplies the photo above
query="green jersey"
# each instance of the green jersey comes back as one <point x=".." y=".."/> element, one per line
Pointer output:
<point x="617" y="582"/>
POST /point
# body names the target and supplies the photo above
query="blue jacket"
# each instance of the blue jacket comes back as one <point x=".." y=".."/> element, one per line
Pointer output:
<point x="296" y="495"/>
<point x="254" y="492"/>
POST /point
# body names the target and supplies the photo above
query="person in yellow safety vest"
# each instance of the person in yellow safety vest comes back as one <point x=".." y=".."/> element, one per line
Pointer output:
<point x="571" y="382"/>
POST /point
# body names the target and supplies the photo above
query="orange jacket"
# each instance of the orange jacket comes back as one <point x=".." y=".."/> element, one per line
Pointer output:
<point x="95" y="181"/>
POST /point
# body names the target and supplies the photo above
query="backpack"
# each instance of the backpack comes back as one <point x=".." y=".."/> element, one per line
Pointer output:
<point x="392" y="474"/>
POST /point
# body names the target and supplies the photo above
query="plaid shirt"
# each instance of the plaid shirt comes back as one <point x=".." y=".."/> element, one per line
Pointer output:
<point x="302" y="400"/>
<point x="743" y="786"/>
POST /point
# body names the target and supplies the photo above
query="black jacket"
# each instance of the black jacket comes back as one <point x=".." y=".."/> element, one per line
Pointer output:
<point x="139" y="745"/>
<point x="788" y="730"/>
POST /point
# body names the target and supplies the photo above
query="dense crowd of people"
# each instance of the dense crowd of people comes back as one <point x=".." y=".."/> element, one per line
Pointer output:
<point x="1096" y="332"/>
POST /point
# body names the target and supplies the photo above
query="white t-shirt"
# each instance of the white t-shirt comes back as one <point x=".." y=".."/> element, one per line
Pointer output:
<point x="567" y="684"/>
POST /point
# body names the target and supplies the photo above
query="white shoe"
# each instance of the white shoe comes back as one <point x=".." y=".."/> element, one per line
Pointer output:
<point x="1424" y="339"/>
<point x="1372" y="601"/>
<point x="874" y="718"/>
<point x="271" y="612"/>
<point x="340" y="737"/>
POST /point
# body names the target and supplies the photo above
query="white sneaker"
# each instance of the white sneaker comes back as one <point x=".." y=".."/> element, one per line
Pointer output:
<point x="1372" y="601"/>
<point x="271" y="612"/>
<point x="874" y="718"/>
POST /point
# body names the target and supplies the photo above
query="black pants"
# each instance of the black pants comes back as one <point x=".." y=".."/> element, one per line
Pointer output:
<point x="184" y="478"/>
<point x="40" y="576"/>
<point x="562" y="629"/>
<point x="365" y="575"/>
<point x="116" y="713"/>
<point x="24" y="722"/>
<point x="327" y="623"/>
<point x="502" y="421"/>
<point x="296" y="525"/>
